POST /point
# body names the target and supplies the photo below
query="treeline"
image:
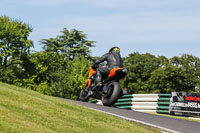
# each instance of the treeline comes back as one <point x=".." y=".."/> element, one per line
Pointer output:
<point x="61" y="68"/>
<point x="151" y="74"/>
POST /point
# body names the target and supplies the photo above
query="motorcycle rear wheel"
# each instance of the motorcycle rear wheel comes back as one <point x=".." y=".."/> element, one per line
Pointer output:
<point x="114" y="94"/>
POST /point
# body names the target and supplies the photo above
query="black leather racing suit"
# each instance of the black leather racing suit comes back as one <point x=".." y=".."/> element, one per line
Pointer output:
<point x="113" y="60"/>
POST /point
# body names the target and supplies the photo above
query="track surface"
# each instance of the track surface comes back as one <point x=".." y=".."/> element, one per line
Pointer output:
<point x="162" y="122"/>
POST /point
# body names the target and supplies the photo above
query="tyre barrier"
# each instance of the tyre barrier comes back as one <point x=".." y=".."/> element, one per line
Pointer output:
<point x="158" y="103"/>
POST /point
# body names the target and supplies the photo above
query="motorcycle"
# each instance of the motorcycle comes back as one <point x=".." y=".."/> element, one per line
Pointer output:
<point x="109" y="92"/>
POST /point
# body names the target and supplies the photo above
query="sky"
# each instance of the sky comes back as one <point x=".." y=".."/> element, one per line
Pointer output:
<point x="159" y="27"/>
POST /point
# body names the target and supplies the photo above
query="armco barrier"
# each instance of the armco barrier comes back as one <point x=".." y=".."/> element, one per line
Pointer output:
<point x="143" y="102"/>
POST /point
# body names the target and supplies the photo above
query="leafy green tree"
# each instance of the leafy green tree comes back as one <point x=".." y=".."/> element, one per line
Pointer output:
<point x="52" y="45"/>
<point x="45" y="66"/>
<point x="55" y="75"/>
<point x="165" y="80"/>
<point x="190" y="66"/>
<point x="140" y="67"/>
<point x="180" y="74"/>
<point x="14" y="42"/>
<point x="72" y="79"/>
<point x="71" y="43"/>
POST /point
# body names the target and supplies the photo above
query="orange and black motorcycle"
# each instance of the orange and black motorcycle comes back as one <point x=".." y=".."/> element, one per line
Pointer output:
<point x="109" y="92"/>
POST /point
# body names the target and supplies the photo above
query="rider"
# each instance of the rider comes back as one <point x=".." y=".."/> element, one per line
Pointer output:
<point x="113" y="59"/>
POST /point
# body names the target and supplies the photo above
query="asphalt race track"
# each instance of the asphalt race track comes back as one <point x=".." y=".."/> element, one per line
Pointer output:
<point x="162" y="122"/>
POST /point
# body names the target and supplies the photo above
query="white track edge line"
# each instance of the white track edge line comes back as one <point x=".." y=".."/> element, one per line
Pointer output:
<point x="130" y="119"/>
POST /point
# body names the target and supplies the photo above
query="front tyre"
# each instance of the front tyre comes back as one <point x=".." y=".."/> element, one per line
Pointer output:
<point x="114" y="92"/>
<point x="84" y="96"/>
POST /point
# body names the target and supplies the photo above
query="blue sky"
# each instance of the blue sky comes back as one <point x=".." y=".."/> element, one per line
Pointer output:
<point x="160" y="27"/>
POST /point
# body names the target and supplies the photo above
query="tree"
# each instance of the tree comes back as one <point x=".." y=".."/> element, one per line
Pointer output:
<point x="71" y="43"/>
<point x="180" y="74"/>
<point x="72" y="79"/>
<point x="44" y="68"/>
<point x="52" y="45"/>
<point x="190" y="66"/>
<point x="14" y="42"/>
<point x="165" y="79"/>
<point x="140" y="67"/>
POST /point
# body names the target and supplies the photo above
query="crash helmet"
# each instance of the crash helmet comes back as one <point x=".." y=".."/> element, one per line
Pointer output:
<point x="114" y="50"/>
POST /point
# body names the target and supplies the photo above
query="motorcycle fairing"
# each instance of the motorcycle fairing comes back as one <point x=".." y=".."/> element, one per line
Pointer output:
<point x="113" y="72"/>
<point x="118" y="73"/>
<point x="91" y="72"/>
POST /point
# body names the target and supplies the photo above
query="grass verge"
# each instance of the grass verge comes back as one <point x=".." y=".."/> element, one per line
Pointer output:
<point x="23" y="110"/>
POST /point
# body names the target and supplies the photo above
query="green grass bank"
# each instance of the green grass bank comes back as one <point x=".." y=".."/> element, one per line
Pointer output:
<point x="23" y="110"/>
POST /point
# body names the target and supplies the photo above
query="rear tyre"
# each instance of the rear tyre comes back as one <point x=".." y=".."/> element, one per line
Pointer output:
<point x="84" y="96"/>
<point x="114" y="94"/>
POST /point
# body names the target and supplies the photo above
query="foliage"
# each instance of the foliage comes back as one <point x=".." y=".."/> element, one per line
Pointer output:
<point x="72" y="79"/>
<point x="150" y="74"/>
<point x="140" y="67"/>
<point x="71" y="43"/>
<point x="14" y="43"/>
<point x="14" y="49"/>
<point x="44" y="66"/>
<point x="55" y="75"/>
<point x="180" y="74"/>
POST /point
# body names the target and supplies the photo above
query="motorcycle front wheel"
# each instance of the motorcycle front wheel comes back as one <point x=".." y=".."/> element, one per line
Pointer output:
<point x="84" y="95"/>
<point x="114" y="92"/>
